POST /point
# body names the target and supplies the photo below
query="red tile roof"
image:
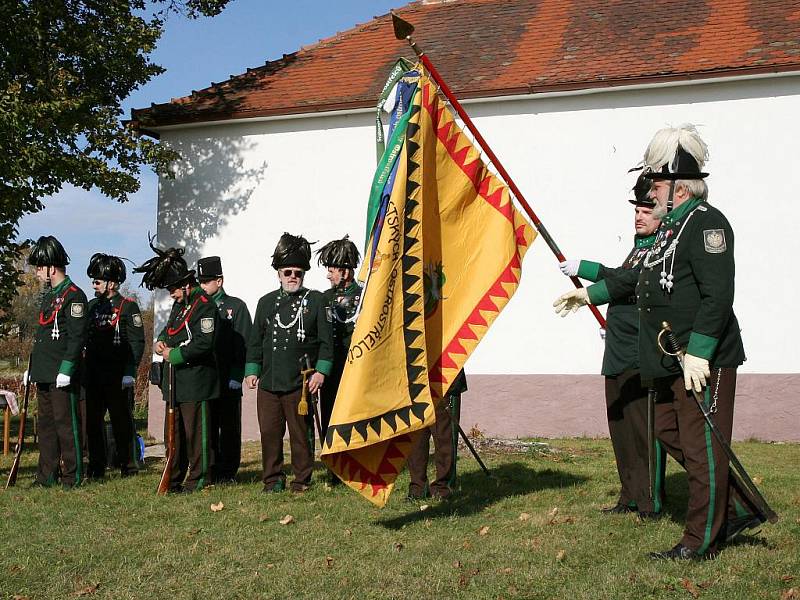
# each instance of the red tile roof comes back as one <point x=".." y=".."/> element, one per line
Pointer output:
<point x="501" y="47"/>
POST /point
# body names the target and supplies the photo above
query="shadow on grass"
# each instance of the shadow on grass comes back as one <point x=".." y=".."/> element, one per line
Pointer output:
<point x="477" y="491"/>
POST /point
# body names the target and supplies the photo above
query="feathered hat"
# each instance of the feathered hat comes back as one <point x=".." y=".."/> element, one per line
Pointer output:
<point x="165" y="270"/>
<point x="641" y="192"/>
<point x="292" y="251"/>
<point x="339" y="253"/>
<point x="676" y="153"/>
<point x="106" y="268"/>
<point x="47" y="251"/>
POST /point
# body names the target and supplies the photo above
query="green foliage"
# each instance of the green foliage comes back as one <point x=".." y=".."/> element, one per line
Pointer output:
<point x="498" y="538"/>
<point x="65" y="68"/>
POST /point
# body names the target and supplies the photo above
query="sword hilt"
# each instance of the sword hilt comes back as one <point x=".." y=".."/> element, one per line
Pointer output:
<point x="666" y="335"/>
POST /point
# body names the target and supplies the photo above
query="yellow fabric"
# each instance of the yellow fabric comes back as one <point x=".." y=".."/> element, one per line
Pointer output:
<point x="448" y="260"/>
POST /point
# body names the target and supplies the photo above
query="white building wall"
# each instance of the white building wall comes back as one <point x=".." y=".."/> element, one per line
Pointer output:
<point x="242" y="185"/>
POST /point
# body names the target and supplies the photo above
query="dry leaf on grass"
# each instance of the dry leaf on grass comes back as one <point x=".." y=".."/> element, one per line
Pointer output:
<point x="561" y="554"/>
<point x="787" y="578"/>
<point x="194" y="531"/>
<point x="328" y="561"/>
<point x="483" y="530"/>
<point x="398" y="546"/>
<point x="21" y="597"/>
<point x="457" y="564"/>
<point x="791" y="594"/>
<point x="506" y="570"/>
<point x="524" y="516"/>
<point x="286" y="520"/>
<point x="551" y="516"/>
<point x="466" y="545"/>
<point x="348" y="532"/>
<point x="424" y="507"/>
<point x="270" y="565"/>
<point x="689" y="587"/>
<point x="262" y="518"/>
<point x="217" y="507"/>
<point x="758" y="480"/>
<point x="87" y="591"/>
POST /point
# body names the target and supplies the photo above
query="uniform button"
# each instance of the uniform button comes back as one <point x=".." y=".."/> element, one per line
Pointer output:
<point x="639" y="309"/>
<point x="648" y="310"/>
<point x="647" y="294"/>
<point x="637" y="296"/>
<point x="647" y="282"/>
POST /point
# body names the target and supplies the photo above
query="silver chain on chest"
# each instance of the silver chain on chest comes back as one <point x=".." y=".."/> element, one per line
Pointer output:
<point x="666" y="279"/>
<point x="297" y="319"/>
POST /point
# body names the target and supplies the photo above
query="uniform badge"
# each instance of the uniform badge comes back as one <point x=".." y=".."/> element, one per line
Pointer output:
<point x="329" y="314"/>
<point x="207" y="325"/>
<point x="76" y="309"/>
<point x="714" y="240"/>
<point x="230" y="313"/>
<point x="137" y="320"/>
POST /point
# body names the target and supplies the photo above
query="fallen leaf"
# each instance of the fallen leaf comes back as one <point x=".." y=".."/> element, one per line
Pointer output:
<point x="217" y="507"/>
<point x="328" y="561"/>
<point x="483" y="530"/>
<point x="262" y="518"/>
<point x="286" y="520"/>
<point x="561" y="554"/>
<point x="348" y="532"/>
<point x="194" y="531"/>
<point x="270" y="565"/>
<point x="524" y="516"/>
<point x="424" y="507"/>
<point x="457" y="564"/>
<point x="790" y="594"/>
<point x="398" y="546"/>
<point x="462" y="580"/>
<point x="317" y="516"/>
<point x="704" y="585"/>
<point x="689" y="587"/>
<point x="758" y="480"/>
<point x="787" y="578"/>
<point x="20" y="597"/>
<point x="15" y="568"/>
<point x="87" y="591"/>
<point x="506" y="570"/>
<point x="466" y="545"/>
<point x="552" y="514"/>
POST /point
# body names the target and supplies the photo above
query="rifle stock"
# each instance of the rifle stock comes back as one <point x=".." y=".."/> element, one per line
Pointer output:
<point x="23" y="414"/>
<point x="166" y="476"/>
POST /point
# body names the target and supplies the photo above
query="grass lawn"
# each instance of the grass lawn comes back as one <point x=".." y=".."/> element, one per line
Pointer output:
<point x="498" y="538"/>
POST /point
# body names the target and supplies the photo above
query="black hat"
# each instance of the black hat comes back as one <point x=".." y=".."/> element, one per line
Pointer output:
<point x="209" y="268"/>
<point x="292" y="251"/>
<point x="682" y="166"/>
<point x="641" y="192"/>
<point x="339" y="253"/>
<point x="165" y="270"/>
<point x="106" y="268"/>
<point x="47" y="251"/>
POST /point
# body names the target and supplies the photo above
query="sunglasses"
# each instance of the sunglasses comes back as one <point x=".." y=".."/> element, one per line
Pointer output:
<point x="295" y="272"/>
<point x="96" y="282"/>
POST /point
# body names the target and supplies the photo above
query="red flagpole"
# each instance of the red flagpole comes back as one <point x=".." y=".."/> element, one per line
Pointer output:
<point x="403" y="30"/>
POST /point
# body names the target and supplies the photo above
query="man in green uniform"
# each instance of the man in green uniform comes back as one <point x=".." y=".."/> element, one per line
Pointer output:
<point x="290" y="330"/>
<point x="687" y="278"/>
<point x="445" y="439"/>
<point x="57" y="347"/>
<point x="234" y="329"/>
<point x="187" y="342"/>
<point x="114" y="349"/>
<point x="626" y="396"/>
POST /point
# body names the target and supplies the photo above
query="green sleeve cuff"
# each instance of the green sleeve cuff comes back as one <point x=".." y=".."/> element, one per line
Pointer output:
<point x="589" y="270"/>
<point x="252" y="369"/>
<point x="324" y="367"/>
<point x="237" y="373"/>
<point x="175" y="357"/>
<point x="701" y="345"/>
<point x="598" y="293"/>
<point x="67" y="367"/>
<point x="130" y="370"/>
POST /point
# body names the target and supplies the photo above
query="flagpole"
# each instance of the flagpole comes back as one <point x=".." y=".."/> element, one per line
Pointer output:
<point x="403" y="30"/>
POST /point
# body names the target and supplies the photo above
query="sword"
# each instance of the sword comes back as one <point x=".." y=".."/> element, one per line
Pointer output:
<point x="740" y="475"/>
<point x="651" y="443"/>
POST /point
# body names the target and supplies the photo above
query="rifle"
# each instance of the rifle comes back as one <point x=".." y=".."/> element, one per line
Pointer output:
<point x="740" y="476"/>
<point x="166" y="476"/>
<point x="23" y="414"/>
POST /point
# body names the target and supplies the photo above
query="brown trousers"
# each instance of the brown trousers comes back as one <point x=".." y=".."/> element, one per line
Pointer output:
<point x="626" y="409"/>
<point x="682" y="429"/>
<point x="102" y="396"/>
<point x="226" y="434"/>
<point x="191" y="465"/>
<point x="444" y="458"/>
<point x="59" y="436"/>
<point x="276" y="411"/>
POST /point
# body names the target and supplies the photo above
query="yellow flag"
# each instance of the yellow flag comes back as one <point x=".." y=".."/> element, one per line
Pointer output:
<point x="448" y="258"/>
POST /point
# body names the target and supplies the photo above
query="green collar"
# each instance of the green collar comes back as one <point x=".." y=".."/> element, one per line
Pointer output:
<point x="194" y="293"/>
<point x="219" y="296"/>
<point x="678" y="213"/>
<point x="57" y="289"/>
<point x="644" y="241"/>
<point x="282" y="293"/>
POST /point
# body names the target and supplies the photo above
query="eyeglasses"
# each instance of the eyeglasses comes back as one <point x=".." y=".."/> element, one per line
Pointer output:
<point x="96" y="282"/>
<point x="295" y="272"/>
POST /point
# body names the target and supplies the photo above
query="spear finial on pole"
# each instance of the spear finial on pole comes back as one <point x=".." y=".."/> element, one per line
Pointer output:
<point x="403" y="30"/>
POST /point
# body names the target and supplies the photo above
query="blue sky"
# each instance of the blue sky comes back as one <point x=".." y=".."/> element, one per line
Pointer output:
<point x="195" y="53"/>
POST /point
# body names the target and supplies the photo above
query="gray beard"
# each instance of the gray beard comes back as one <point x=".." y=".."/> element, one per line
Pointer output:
<point x="659" y="211"/>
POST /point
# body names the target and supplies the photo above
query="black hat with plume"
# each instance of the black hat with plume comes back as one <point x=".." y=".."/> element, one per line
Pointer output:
<point x="47" y="251"/>
<point x="106" y="268"/>
<point x="339" y="253"/>
<point x="641" y="192"/>
<point x="292" y="251"/>
<point x="165" y="270"/>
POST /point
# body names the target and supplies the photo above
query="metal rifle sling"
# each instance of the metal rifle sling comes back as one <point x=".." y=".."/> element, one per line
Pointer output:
<point x="23" y="414"/>
<point x="742" y="479"/>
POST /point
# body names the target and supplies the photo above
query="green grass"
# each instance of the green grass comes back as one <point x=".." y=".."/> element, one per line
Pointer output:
<point x="129" y="543"/>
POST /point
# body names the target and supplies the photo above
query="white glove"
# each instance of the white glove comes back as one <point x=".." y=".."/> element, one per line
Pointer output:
<point x="602" y="333"/>
<point x="570" y="267"/>
<point x="695" y="372"/>
<point x="571" y="301"/>
<point x="128" y="382"/>
<point x="62" y="380"/>
<point x="234" y="385"/>
<point x="25" y="377"/>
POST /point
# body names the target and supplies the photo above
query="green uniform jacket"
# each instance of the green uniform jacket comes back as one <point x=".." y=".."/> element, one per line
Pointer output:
<point x="61" y="334"/>
<point x="340" y="310"/>
<point x="115" y="341"/>
<point x="274" y="351"/>
<point x="622" y="319"/>
<point x="700" y="304"/>
<point x="234" y="329"/>
<point x="191" y="333"/>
